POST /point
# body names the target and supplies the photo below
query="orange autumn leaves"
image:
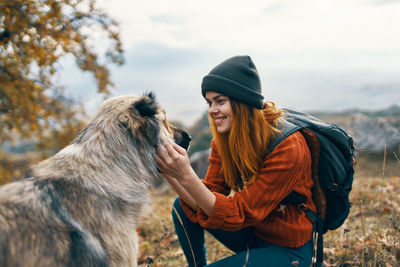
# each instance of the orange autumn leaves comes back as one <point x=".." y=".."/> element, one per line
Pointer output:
<point x="34" y="36"/>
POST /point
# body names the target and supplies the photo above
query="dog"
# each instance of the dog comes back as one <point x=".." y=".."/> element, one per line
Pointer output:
<point x="82" y="205"/>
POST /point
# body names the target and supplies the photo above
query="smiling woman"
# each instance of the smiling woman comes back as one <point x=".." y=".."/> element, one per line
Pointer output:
<point x="237" y="200"/>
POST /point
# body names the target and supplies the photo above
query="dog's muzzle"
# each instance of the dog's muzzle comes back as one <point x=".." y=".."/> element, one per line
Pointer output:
<point x="183" y="139"/>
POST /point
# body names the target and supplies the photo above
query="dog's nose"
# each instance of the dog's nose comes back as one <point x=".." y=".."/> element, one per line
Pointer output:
<point x="186" y="136"/>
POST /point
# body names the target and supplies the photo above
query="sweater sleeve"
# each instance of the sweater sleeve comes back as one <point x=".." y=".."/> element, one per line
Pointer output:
<point x="213" y="180"/>
<point x="278" y="176"/>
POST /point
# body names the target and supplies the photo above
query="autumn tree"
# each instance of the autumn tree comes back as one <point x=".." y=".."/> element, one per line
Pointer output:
<point x="34" y="36"/>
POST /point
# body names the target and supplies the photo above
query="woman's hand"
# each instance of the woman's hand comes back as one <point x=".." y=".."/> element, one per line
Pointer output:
<point x="175" y="162"/>
<point x="171" y="170"/>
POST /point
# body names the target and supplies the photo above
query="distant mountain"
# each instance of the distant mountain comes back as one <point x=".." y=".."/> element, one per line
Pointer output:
<point x="201" y="135"/>
<point x="371" y="130"/>
<point x="372" y="134"/>
<point x="199" y="126"/>
<point x="393" y="110"/>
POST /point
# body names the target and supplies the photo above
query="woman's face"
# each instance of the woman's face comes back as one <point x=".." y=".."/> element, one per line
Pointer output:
<point x="220" y="111"/>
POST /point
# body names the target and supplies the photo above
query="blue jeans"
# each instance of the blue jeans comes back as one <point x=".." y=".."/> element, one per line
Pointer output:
<point x="250" y="250"/>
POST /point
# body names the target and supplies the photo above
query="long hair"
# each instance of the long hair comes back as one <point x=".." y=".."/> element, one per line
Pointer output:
<point x="242" y="150"/>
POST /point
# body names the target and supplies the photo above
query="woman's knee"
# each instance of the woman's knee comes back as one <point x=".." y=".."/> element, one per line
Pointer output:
<point x="176" y="203"/>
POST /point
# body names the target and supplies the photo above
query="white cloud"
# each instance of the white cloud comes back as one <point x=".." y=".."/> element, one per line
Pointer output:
<point x="300" y="32"/>
<point x="300" y="48"/>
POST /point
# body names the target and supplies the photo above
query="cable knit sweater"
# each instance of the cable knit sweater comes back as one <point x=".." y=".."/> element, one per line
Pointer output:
<point x="286" y="168"/>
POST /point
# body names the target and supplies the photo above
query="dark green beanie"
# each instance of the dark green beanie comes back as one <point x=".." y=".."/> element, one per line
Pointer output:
<point x="237" y="78"/>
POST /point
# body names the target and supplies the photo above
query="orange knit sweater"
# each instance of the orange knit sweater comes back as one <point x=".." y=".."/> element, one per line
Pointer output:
<point x="286" y="168"/>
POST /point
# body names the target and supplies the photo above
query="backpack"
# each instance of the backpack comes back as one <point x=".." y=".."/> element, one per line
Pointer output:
<point x="333" y="160"/>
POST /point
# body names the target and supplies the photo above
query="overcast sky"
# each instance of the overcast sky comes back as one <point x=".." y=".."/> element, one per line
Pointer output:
<point x="310" y="54"/>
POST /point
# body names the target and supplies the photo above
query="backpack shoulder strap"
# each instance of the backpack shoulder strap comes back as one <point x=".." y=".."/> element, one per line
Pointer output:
<point x="287" y="128"/>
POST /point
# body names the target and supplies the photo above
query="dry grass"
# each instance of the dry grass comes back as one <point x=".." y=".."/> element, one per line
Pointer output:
<point x="372" y="228"/>
<point x="159" y="246"/>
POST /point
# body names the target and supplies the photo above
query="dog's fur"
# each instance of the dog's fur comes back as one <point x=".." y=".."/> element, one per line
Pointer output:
<point x="81" y="206"/>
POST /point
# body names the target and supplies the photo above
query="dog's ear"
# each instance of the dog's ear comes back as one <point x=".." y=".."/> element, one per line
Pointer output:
<point x="147" y="106"/>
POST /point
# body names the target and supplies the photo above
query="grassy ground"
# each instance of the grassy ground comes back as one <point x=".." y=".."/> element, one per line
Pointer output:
<point x="369" y="237"/>
<point x="159" y="246"/>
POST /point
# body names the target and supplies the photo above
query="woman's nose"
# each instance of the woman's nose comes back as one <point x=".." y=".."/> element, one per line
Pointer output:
<point x="212" y="109"/>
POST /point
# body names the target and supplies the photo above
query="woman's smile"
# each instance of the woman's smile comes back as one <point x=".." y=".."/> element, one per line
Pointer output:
<point x="219" y="120"/>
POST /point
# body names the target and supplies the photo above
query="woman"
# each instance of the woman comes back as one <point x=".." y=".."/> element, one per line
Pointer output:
<point x="238" y="202"/>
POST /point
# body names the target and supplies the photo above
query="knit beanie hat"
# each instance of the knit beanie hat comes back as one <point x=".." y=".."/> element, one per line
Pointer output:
<point x="237" y="78"/>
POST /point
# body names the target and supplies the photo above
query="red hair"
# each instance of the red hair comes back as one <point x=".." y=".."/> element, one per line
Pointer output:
<point x="242" y="150"/>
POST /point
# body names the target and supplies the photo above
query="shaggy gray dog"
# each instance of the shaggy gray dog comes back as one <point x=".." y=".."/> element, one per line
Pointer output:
<point x="81" y="206"/>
